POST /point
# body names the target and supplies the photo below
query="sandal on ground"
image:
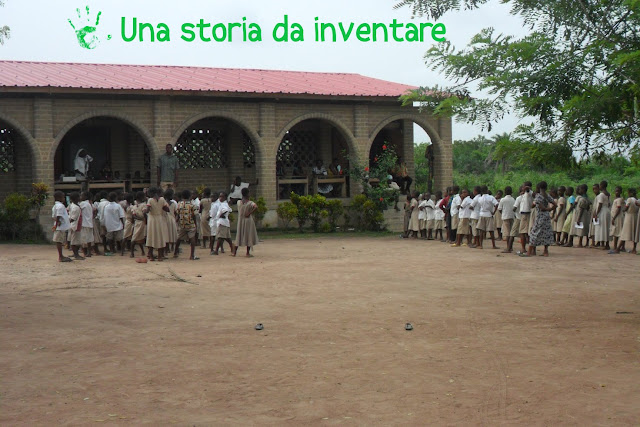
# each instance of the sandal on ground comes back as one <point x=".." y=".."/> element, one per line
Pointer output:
<point x="66" y="259"/>
<point x="523" y="255"/>
<point x="195" y="258"/>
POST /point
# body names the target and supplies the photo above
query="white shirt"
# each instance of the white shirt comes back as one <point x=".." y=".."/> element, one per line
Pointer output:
<point x="506" y="207"/>
<point x="74" y="216"/>
<point x="516" y="207"/>
<point x="213" y="212"/>
<point x="222" y="217"/>
<point x="465" y="212"/>
<point x="431" y="210"/>
<point x="455" y="205"/>
<point x="487" y="205"/>
<point x="82" y="164"/>
<point x="422" y="212"/>
<point x="475" y="204"/>
<point x="111" y="217"/>
<point x="236" y="190"/>
<point x="439" y="213"/>
<point x="58" y="210"/>
<point x="87" y="214"/>
<point x="101" y="205"/>
<point x="526" y="202"/>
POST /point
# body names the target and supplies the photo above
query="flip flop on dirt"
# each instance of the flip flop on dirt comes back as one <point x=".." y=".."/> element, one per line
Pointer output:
<point x="66" y="259"/>
<point x="195" y="258"/>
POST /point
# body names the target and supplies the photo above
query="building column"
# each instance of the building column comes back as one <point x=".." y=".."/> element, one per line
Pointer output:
<point x="266" y="150"/>
<point x="43" y="157"/>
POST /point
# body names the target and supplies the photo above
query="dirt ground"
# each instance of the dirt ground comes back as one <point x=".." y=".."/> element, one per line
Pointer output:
<point x="497" y="339"/>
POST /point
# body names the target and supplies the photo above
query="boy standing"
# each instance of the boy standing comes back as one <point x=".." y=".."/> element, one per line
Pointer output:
<point x="61" y="223"/>
<point x="113" y="217"/>
<point x="75" y="225"/>
<point x="187" y="221"/>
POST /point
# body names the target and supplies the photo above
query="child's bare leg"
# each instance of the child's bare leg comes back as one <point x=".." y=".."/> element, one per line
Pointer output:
<point x="177" y="249"/>
<point x="193" y="248"/>
<point x="546" y="251"/>
<point x="493" y="240"/>
<point x="248" y="251"/>
<point x="523" y="242"/>
<point x="161" y="254"/>
<point x="133" y="249"/>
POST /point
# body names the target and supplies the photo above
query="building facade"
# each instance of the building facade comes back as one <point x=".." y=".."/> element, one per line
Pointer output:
<point x="125" y="115"/>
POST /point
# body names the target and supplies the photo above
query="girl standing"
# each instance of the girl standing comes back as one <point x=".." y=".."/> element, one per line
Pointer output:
<point x="629" y="227"/>
<point x="139" y="223"/>
<point x="172" y="226"/>
<point x="128" y="223"/>
<point x="156" y="223"/>
<point x="617" y="216"/>
<point x="246" y="234"/>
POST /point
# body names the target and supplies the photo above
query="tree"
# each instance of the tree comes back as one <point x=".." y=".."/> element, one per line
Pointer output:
<point x="5" y="31"/>
<point x="577" y="71"/>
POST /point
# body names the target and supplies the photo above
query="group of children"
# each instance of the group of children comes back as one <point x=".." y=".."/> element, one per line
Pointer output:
<point x="158" y="221"/>
<point x="535" y="217"/>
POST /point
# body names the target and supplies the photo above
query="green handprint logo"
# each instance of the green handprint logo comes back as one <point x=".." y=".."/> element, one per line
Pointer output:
<point x="84" y="29"/>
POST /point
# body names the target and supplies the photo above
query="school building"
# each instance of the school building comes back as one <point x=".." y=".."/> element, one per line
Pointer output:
<point x="223" y="123"/>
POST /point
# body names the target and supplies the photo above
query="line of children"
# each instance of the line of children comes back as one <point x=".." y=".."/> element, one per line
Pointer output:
<point x="536" y="217"/>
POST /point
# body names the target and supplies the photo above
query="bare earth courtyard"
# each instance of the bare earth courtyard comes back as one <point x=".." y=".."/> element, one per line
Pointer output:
<point x="497" y="339"/>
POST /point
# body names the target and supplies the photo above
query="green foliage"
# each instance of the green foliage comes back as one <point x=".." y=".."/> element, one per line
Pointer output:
<point x="366" y="213"/>
<point x="334" y="209"/>
<point x="577" y="71"/>
<point x="14" y="215"/>
<point x="287" y="212"/>
<point x="309" y="208"/>
<point x="302" y="211"/>
<point x="261" y="210"/>
<point x="421" y="166"/>
<point x="380" y="194"/>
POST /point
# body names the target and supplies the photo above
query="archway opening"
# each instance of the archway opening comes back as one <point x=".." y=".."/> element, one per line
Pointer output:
<point x="416" y="165"/>
<point x="313" y="158"/>
<point x="214" y="151"/>
<point x="120" y="156"/>
<point x="16" y="162"/>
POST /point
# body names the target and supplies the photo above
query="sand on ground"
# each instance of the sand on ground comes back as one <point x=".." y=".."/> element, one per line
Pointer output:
<point x="497" y="339"/>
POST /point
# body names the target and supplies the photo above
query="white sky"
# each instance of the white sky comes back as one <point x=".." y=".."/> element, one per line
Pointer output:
<point x="40" y="32"/>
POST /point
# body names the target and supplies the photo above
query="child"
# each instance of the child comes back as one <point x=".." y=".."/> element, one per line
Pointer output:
<point x="582" y="217"/>
<point x="454" y="211"/>
<point x="617" y="217"/>
<point x="113" y="217"/>
<point x="560" y="214"/>
<point x="422" y="215"/>
<point x="246" y="234"/>
<point x="414" y="223"/>
<point x="128" y="223"/>
<point x="526" y="203"/>
<point x="213" y="224"/>
<point x="515" y="227"/>
<point x="592" y="226"/>
<point x="488" y="205"/>
<point x="156" y="224"/>
<point x="568" y="221"/>
<point x="463" y="224"/>
<point x="439" y="217"/>
<point x="497" y="216"/>
<point x="139" y="235"/>
<point x="186" y="215"/>
<point x="86" y="235"/>
<point x="505" y="212"/>
<point x="205" y="210"/>
<point x="195" y="201"/>
<point x="75" y="225"/>
<point x="223" y="225"/>
<point x="602" y="217"/>
<point x="102" y="197"/>
<point x="475" y="215"/>
<point x="407" y="217"/>
<point x="430" y="209"/>
<point x="629" y="232"/>
<point x="61" y="223"/>
<point x="172" y="227"/>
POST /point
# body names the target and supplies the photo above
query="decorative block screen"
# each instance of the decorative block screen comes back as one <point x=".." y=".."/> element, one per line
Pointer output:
<point x="248" y="151"/>
<point x="7" y="150"/>
<point x="298" y="146"/>
<point x="201" y="148"/>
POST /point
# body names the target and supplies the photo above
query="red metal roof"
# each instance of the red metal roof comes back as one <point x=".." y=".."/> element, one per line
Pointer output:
<point x="19" y="74"/>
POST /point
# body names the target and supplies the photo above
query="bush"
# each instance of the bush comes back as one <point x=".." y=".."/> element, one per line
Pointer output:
<point x="334" y="210"/>
<point x="14" y="214"/>
<point x="302" y="211"/>
<point x="287" y="212"/>
<point x="368" y="216"/>
<point x="262" y="209"/>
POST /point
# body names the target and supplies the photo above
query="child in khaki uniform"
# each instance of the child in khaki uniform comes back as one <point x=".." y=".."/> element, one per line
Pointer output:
<point x="75" y="225"/>
<point x="61" y="223"/>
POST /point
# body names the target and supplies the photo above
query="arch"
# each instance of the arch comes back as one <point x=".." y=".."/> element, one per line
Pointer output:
<point x="31" y="142"/>
<point x="146" y="135"/>
<point x="346" y="132"/>
<point x="419" y="120"/>
<point x="255" y="138"/>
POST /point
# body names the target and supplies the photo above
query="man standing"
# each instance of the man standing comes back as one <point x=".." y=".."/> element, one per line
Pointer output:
<point x="168" y="169"/>
<point x="81" y="167"/>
